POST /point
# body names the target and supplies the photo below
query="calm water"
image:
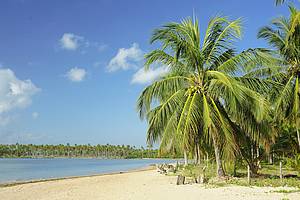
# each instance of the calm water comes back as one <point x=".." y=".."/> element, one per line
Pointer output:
<point x="31" y="169"/>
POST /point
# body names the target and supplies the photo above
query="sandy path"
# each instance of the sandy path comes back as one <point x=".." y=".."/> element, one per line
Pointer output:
<point x="143" y="185"/>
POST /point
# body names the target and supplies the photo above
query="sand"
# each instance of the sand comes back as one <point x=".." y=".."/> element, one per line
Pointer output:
<point x="138" y="185"/>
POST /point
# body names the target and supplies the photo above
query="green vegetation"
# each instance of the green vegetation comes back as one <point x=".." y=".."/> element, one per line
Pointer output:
<point x="268" y="176"/>
<point x="287" y="191"/>
<point x="76" y="151"/>
<point x="234" y="109"/>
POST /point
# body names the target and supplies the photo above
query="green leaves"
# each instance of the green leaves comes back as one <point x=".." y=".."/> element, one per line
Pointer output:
<point x="279" y="2"/>
<point x="219" y="37"/>
<point x="296" y="105"/>
<point x="159" y="90"/>
<point x="209" y="90"/>
<point x="206" y="115"/>
<point x="284" y="35"/>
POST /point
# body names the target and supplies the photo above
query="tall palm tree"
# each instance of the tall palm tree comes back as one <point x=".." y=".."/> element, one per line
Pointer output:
<point x="284" y="35"/>
<point x="202" y="94"/>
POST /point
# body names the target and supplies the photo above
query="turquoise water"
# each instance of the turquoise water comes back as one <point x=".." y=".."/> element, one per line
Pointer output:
<point x="31" y="169"/>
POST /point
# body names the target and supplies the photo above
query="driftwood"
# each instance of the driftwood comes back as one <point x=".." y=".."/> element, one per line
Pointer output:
<point x="290" y="176"/>
<point x="166" y="168"/>
<point x="201" y="178"/>
<point x="180" y="180"/>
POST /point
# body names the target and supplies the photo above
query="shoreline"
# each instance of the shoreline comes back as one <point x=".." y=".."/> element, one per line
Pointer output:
<point x="90" y="158"/>
<point x="15" y="183"/>
<point x="138" y="184"/>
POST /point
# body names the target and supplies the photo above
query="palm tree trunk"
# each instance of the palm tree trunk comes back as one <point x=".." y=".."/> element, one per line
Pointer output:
<point x="253" y="168"/>
<point x="199" y="155"/>
<point x="185" y="158"/>
<point x="298" y="137"/>
<point x="196" y="157"/>
<point x="257" y="155"/>
<point x="234" y="167"/>
<point x="271" y="158"/>
<point x="220" y="170"/>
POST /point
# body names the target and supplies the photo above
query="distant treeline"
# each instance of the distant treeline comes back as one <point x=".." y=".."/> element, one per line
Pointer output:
<point x="77" y="151"/>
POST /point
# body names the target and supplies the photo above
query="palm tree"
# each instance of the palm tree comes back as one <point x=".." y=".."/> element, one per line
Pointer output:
<point x="202" y="95"/>
<point x="279" y="2"/>
<point x="284" y="36"/>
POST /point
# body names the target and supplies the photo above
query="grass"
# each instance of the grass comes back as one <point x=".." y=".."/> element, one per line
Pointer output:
<point x="268" y="176"/>
<point x="266" y="182"/>
<point x="286" y="191"/>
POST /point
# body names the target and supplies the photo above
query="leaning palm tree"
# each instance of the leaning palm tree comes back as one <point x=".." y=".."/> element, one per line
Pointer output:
<point x="202" y="94"/>
<point x="284" y="36"/>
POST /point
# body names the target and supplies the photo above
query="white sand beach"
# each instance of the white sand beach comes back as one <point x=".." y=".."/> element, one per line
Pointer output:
<point x="137" y="185"/>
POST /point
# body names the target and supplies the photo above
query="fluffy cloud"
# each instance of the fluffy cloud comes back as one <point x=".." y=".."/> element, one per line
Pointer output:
<point x="143" y="76"/>
<point x="70" y="41"/>
<point x="14" y="93"/>
<point x="76" y="74"/>
<point x="126" y="58"/>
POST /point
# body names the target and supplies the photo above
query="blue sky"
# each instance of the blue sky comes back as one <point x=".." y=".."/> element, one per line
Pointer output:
<point x="71" y="70"/>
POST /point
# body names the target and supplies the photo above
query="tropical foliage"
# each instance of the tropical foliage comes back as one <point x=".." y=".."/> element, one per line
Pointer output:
<point x="280" y="2"/>
<point x="76" y="151"/>
<point x="216" y="101"/>
<point x="284" y="36"/>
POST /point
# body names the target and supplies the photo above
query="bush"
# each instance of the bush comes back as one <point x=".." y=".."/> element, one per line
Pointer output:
<point x="293" y="163"/>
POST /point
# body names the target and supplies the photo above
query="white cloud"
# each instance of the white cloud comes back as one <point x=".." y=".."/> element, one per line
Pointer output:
<point x="71" y="41"/>
<point x="143" y="76"/>
<point x="35" y="115"/>
<point x="14" y="93"/>
<point x="126" y="58"/>
<point x="76" y="74"/>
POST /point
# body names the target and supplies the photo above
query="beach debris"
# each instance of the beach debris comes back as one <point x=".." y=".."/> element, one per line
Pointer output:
<point x="171" y="169"/>
<point x="201" y="179"/>
<point x="180" y="180"/>
<point x="161" y="169"/>
<point x="165" y="168"/>
<point x="290" y="176"/>
<point x="190" y="180"/>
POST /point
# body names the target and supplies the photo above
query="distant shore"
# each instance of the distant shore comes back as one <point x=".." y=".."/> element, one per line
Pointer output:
<point x="141" y="184"/>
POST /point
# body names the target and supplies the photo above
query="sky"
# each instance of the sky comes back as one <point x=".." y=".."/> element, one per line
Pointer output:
<point x="71" y="71"/>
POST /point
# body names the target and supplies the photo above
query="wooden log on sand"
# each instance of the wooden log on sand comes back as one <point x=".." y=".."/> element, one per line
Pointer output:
<point x="180" y="180"/>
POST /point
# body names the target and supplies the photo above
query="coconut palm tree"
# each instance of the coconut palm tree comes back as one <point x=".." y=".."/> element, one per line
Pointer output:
<point x="284" y="35"/>
<point x="203" y="93"/>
